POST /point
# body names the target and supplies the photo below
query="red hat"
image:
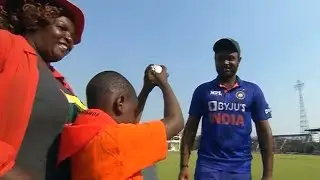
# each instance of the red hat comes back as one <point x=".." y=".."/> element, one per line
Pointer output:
<point x="73" y="10"/>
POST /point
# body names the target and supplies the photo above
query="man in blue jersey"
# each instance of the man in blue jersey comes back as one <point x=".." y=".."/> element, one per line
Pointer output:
<point x="227" y="105"/>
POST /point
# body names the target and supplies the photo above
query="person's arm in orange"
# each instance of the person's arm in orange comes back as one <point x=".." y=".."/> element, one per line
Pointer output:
<point x="8" y="145"/>
<point x="145" y="144"/>
<point x="141" y="145"/>
<point x="7" y="151"/>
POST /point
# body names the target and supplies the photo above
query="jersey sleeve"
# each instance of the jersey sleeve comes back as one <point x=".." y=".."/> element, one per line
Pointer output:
<point x="196" y="106"/>
<point x="141" y="145"/>
<point x="260" y="108"/>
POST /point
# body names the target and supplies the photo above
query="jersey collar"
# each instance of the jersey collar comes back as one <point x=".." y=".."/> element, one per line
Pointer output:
<point x="238" y="83"/>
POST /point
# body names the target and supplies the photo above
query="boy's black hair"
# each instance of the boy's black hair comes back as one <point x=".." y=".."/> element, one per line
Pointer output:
<point x="105" y="83"/>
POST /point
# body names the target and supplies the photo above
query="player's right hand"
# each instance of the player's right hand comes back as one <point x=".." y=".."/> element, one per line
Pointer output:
<point x="184" y="174"/>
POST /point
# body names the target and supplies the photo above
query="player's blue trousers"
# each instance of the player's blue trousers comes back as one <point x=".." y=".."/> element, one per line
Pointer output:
<point x="205" y="173"/>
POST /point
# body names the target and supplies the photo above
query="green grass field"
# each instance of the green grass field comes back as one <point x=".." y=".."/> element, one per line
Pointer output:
<point x="286" y="167"/>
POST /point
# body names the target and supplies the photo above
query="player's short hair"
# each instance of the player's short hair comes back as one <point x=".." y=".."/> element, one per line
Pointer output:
<point x="103" y="84"/>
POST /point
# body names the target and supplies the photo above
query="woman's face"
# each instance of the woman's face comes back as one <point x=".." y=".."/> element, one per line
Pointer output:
<point x="57" y="39"/>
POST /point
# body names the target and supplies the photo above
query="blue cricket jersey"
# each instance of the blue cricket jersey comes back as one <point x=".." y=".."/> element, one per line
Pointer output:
<point x="225" y="142"/>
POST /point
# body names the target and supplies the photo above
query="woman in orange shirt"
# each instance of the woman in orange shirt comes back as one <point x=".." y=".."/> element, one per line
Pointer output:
<point x="35" y="101"/>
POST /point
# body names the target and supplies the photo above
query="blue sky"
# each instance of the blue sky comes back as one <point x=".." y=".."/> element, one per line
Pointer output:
<point x="279" y="40"/>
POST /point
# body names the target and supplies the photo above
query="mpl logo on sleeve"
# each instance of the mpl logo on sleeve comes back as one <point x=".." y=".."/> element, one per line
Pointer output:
<point x="267" y="111"/>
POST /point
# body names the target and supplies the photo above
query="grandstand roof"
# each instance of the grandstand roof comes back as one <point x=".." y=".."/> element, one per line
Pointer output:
<point x="287" y="135"/>
<point x="314" y="130"/>
<point x="290" y="135"/>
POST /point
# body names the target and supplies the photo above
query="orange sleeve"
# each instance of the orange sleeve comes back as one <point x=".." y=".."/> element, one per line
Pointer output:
<point x="141" y="145"/>
<point x="7" y="152"/>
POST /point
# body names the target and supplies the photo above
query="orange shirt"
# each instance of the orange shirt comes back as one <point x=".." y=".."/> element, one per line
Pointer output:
<point x="117" y="151"/>
<point x="18" y="77"/>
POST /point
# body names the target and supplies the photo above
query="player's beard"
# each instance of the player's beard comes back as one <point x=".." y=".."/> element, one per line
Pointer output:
<point x="227" y="72"/>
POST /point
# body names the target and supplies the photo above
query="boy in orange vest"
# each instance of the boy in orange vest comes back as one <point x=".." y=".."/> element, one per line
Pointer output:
<point x="106" y="142"/>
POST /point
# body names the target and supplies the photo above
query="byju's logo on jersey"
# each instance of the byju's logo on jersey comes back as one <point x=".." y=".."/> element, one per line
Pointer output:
<point x="223" y="106"/>
<point x="219" y="113"/>
<point x="216" y="93"/>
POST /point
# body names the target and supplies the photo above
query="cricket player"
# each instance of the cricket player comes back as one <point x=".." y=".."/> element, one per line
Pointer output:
<point x="227" y="106"/>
